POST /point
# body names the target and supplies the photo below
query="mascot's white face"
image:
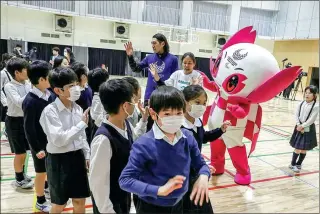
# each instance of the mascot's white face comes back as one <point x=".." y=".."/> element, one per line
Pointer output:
<point x="243" y="67"/>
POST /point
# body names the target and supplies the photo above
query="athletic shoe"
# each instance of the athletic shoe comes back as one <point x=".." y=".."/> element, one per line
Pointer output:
<point x="45" y="207"/>
<point x="24" y="184"/>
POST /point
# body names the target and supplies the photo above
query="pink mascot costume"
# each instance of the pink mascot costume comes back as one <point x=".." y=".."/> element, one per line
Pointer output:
<point x="244" y="75"/>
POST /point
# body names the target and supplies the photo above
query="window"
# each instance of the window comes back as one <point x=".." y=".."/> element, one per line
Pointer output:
<point x="211" y="16"/>
<point x="263" y="21"/>
<point x="116" y="9"/>
<point x="162" y="12"/>
<point x="54" y="4"/>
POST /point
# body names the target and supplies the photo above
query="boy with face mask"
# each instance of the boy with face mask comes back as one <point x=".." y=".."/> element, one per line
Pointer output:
<point x="68" y="153"/>
<point x="110" y="148"/>
<point x="159" y="163"/>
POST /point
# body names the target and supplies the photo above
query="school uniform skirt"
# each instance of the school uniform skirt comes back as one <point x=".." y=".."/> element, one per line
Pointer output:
<point x="304" y="141"/>
<point x="188" y="205"/>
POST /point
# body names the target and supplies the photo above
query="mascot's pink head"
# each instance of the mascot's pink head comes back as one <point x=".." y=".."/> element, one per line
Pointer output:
<point x="243" y="67"/>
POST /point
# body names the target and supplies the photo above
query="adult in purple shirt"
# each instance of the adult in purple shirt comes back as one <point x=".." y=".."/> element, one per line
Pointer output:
<point x="166" y="63"/>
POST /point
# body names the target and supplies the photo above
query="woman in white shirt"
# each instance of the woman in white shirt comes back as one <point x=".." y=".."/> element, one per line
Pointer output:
<point x="181" y="78"/>
<point x="304" y="136"/>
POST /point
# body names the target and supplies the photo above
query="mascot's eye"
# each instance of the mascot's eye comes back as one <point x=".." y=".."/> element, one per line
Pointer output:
<point x="232" y="83"/>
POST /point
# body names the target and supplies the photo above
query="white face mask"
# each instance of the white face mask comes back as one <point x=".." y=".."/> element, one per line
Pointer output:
<point x="75" y="93"/>
<point x="197" y="111"/>
<point x="171" y="124"/>
<point x="129" y="115"/>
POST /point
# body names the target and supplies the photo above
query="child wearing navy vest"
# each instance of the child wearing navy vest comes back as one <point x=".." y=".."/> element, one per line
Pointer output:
<point x="196" y="101"/>
<point x="110" y="148"/>
<point x="85" y="99"/>
<point x="16" y="91"/>
<point x="34" y="103"/>
<point x="96" y="77"/>
<point x="159" y="163"/>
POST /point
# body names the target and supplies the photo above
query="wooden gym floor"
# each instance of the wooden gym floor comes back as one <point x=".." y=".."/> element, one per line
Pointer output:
<point x="274" y="188"/>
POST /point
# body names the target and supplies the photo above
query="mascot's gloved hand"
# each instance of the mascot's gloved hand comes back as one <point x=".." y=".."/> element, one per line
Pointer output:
<point x="239" y="111"/>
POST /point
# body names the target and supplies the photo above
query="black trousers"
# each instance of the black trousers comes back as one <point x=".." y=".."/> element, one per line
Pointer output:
<point x="146" y="208"/>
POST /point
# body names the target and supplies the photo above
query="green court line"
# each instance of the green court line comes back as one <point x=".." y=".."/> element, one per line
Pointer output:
<point x="7" y="157"/>
<point x="26" y="163"/>
<point x="273" y="154"/>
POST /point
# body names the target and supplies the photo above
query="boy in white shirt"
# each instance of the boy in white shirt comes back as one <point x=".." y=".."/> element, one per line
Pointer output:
<point x="16" y="91"/>
<point x="64" y="123"/>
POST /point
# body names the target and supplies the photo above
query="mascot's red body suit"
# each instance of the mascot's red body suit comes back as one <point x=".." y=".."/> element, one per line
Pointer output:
<point x="244" y="75"/>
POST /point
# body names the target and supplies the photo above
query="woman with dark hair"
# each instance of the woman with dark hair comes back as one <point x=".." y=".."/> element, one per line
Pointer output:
<point x="164" y="62"/>
<point x="304" y="136"/>
<point x="69" y="54"/>
<point x="60" y="61"/>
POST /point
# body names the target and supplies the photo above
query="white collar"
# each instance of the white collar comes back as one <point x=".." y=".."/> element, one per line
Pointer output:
<point x="39" y="93"/>
<point x="158" y="134"/>
<point x="187" y="124"/>
<point x="18" y="83"/>
<point x="121" y="131"/>
<point x="61" y="106"/>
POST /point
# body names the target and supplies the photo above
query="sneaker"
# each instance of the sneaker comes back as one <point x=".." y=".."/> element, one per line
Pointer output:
<point x="295" y="169"/>
<point x="290" y="166"/>
<point x="298" y="166"/>
<point x="27" y="177"/>
<point x="24" y="184"/>
<point x="45" y="207"/>
<point x="47" y="193"/>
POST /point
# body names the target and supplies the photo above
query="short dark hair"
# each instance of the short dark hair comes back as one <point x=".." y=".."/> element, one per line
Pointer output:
<point x="114" y="93"/>
<point x="58" y="61"/>
<point x="38" y="69"/>
<point x="192" y="92"/>
<point x="96" y="77"/>
<point x="56" y="49"/>
<point x="58" y="78"/>
<point x="313" y="89"/>
<point x="189" y="54"/>
<point x="161" y="38"/>
<point x="18" y="46"/>
<point x="166" y="97"/>
<point x="80" y="69"/>
<point x="134" y="83"/>
<point x="17" y="64"/>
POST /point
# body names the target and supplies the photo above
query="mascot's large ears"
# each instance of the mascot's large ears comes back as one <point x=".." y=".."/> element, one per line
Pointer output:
<point x="274" y="85"/>
<point x="245" y="35"/>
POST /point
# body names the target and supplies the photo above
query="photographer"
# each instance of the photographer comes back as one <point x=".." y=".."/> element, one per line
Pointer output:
<point x="287" y="91"/>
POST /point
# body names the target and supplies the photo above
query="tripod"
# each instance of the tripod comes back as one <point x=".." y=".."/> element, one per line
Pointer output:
<point x="299" y="83"/>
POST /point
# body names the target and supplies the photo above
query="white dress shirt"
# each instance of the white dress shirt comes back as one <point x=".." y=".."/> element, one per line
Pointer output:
<point x="305" y="110"/>
<point x="5" y="78"/>
<point x="64" y="128"/>
<point x="187" y="124"/>
<point x="97" y="111"/>
<point x="40" y="94"/>
<point x="16" y="92"/>
<point x="99" y="172"/>
<point x="158" y="134"/>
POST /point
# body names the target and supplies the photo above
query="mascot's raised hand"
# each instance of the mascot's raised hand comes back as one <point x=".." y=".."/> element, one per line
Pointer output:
<point x="244" y="75"/>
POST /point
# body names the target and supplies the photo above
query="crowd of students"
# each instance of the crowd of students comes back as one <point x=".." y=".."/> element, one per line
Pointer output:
<point x="94" y="137"/>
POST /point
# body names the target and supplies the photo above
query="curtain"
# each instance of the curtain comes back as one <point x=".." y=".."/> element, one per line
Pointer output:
<point x="203" y="64"/>
<point x="44" y="51"/>
<point x="81" y="54"/>
<point x="115" y="60"/>
<point x="3" y="46"/>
